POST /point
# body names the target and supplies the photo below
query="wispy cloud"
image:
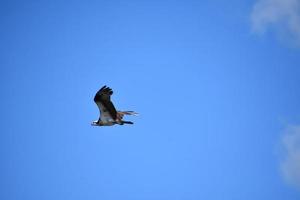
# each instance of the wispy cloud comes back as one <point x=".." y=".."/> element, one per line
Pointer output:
<point x="280" y="15"/>
<point x="290" y="164"/>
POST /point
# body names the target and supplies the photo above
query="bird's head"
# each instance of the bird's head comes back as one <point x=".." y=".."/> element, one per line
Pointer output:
<point x="95" y="123"/>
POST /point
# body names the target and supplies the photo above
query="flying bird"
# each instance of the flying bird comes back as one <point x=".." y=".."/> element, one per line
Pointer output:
<point x="108" y="114"/>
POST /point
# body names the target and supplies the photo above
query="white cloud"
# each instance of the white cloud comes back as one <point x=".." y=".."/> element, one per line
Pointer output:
<point x="281" y="15"/>
<point x="290" y="164"/>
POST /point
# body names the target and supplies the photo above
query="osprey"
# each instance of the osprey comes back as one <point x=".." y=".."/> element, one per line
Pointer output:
<point x="108" y="114"/>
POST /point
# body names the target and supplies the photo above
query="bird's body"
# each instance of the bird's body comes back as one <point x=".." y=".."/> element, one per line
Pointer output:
<point x="108" y="114"/>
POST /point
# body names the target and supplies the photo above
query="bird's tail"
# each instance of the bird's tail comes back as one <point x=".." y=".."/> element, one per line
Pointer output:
<point x="128" y="112"/>
<point x="122" y="113"/>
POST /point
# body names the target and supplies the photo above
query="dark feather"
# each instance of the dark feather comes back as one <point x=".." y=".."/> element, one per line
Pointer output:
<point x="103" y="97"/>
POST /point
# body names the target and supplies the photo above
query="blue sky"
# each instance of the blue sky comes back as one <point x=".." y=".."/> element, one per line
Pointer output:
<point x="216" y="86"/>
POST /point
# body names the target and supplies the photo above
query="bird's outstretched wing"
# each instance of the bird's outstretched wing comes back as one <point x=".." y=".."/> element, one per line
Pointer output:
<point x="106" y="107"/>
